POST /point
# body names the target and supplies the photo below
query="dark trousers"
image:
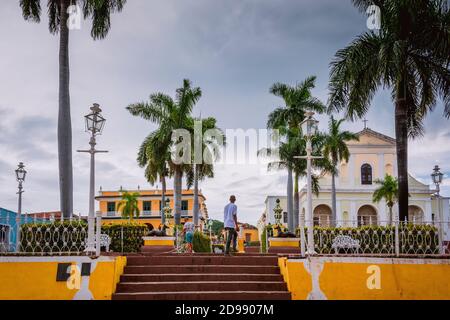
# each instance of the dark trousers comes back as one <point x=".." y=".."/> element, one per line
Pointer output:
<point x="231" y="236"/>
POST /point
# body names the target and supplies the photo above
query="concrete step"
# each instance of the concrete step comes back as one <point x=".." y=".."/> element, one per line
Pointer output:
<point x="202" y="260"/>
<point x="252" y="249"/>
<point x="199" y="277"/>
<point x="159" y="269"/>
<point x="205" y="295"/>
<point x="199" y="286"/>
<point x="284" y="250"/>
<point x="156" y="249"/>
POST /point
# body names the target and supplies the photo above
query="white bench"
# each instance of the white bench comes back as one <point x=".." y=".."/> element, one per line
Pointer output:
<point x="105" y="241"/>
<point x="345" y="242"/>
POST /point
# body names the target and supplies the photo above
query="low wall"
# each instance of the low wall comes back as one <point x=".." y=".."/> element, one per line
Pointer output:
<point x="159" y="241"/>
<point x="35" y="278"/>
<point x="357" y="278"/>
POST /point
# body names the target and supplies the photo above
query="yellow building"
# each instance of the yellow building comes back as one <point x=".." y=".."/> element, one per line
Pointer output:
<point x="373" y="156"/>
<point x="149" y="203"/>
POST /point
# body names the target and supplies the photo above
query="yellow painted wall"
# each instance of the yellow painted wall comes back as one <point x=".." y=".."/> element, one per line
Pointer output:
<point x="26" y="278"/>
<point x="357" y="278"/>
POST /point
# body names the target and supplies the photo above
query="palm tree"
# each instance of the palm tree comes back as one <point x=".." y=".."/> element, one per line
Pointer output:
<point x="99" y="12"/>
<point x="336" y="151"/>
<point x="409" y="55"/>
<point x="204" y="168"/>
<point x="154" y="155"/>
<point x="128" y="206"/>
<point x="297" y="100"/>
<point x="388" y="190"/>
<point x="171" y="114"/>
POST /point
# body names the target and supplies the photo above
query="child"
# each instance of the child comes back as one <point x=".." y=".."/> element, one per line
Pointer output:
<point x="188" y="230"/>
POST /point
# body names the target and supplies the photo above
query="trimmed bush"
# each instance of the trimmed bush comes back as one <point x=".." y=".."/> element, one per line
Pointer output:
<point x="253" y="244"/>
<point x="414" y="239"/>
<point x="130" y="233"/>
<point x="71" y="237"/>
<point x="201" y="242"/>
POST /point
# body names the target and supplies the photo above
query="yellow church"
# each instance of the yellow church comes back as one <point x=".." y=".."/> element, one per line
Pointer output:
<point x="373" y="156"/>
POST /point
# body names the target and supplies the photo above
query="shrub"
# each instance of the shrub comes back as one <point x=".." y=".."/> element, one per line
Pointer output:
<point x="125" y="237"/>
<point x="53" y="237"/>
<point x="253" y="244"/>
<point x="201" y="242"/>
<point x="71" y="237"/>
<point x="413" y="239"/>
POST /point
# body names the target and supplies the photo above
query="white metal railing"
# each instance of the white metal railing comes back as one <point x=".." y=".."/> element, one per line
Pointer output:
<point x="381" y="238"/>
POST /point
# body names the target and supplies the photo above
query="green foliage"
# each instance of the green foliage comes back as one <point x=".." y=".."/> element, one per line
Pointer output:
<point x="201" y="242"/>
<point x="71" y="236"/>
<point x="253" y="244"/>
<point x="414" y="239"/>
<point x="217" y="227"/>
<point x="264" y="235"/>
<point x="56" y="236"/>
<point x="128" y="206"/>
<point x="387" y="190"/>
<point x="125" y="237"/>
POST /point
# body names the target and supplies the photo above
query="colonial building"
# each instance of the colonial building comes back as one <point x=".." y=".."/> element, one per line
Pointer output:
<point x="373" y="156"/>
<point x="149" y="204"/>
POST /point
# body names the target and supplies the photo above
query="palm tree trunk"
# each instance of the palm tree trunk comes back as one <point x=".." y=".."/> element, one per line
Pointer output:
<point x="64" y="122"/>
<point x="296" y="204"/>
<point x="390" y="215"/>
<point x="177" y="193"/>
<point x="401" y="133"/>
<point x="196" y="202"/>
<point x="290" y="203"/>
<point x="333" y="200"/>
<point x="163" y="198"/>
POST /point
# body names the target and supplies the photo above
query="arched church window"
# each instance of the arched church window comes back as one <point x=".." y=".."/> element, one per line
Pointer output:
<point x="366" y="174"/>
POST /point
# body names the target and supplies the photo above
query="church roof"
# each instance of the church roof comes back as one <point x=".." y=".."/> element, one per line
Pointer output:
<point x="370" y="132"/>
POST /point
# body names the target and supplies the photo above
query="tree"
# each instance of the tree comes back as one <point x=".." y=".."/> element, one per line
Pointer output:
<point x="336" y="151"/>
<point x="287" y="119"/>
<point x="99" y="11"/>
<point x="172" y="116"/>
<point x="209" y="142"/>
<point x="128" y="206"/>
<point x="217" y="227"/>
<point x="410" y="55"/>
<point x="388" y="190"/>
<point x="154" y="155"/>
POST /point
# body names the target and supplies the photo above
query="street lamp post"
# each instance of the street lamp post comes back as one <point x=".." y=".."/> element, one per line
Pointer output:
<point x="20" y="176"/>
<point x="309" y="129"/>
<point x="94" y="124"/>
<point x="437" y="176"/>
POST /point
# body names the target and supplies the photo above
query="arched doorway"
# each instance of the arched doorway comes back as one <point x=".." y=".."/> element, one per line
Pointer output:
<point x="322" y="215"/>
<point x="367" y="216"/>
<point x="415" y="214"/>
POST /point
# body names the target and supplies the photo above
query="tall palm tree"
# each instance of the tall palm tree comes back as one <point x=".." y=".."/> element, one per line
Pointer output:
<point x="410" y="56"/>
<point x="128" y="206"/>
<point x="99" y="12"/>
<point x="336" y="151"/>
<point x="171" y="114"/>
<point x="388" y="190"/>
<point x="210" y="146"/>
<point x="287" y="119"/>
<point x="154" y="155"/>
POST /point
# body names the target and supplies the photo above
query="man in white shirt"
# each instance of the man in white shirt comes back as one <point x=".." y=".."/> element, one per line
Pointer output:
<point x="230" y="224"/>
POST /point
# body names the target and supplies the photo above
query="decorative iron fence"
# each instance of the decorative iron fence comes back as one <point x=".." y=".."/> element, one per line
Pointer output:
<point x="383" y="238"/>
<point x="48" y="236"/>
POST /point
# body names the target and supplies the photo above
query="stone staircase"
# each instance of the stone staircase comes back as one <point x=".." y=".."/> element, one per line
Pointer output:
<point x="168" y="276"/>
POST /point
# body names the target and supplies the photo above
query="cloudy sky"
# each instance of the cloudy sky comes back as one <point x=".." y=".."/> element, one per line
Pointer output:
<point x="233" y="49"/>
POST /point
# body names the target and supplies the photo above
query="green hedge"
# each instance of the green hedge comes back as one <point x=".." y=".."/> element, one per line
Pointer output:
<point x="53" y="237"/>
<point x="201" y="242"/>
<point x="253" y="244"/>
<point x="414" y="239"/>
<point x="71" y="236"/>
<point x="132" y="236"/>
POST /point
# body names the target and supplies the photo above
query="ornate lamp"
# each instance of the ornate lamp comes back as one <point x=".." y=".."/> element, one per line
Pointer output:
<point x="437" y="175"/>
<point x="278" y="211"/>
<point x="309" y="125"/>
<point x="94" y="120"/>
<point x="20" y="172"/>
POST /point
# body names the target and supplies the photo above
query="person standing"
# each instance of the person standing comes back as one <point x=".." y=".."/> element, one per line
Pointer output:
<point x="230" y="224"/>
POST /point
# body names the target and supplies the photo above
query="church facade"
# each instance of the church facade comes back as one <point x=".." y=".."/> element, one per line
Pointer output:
<point x="373" y="156"/>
